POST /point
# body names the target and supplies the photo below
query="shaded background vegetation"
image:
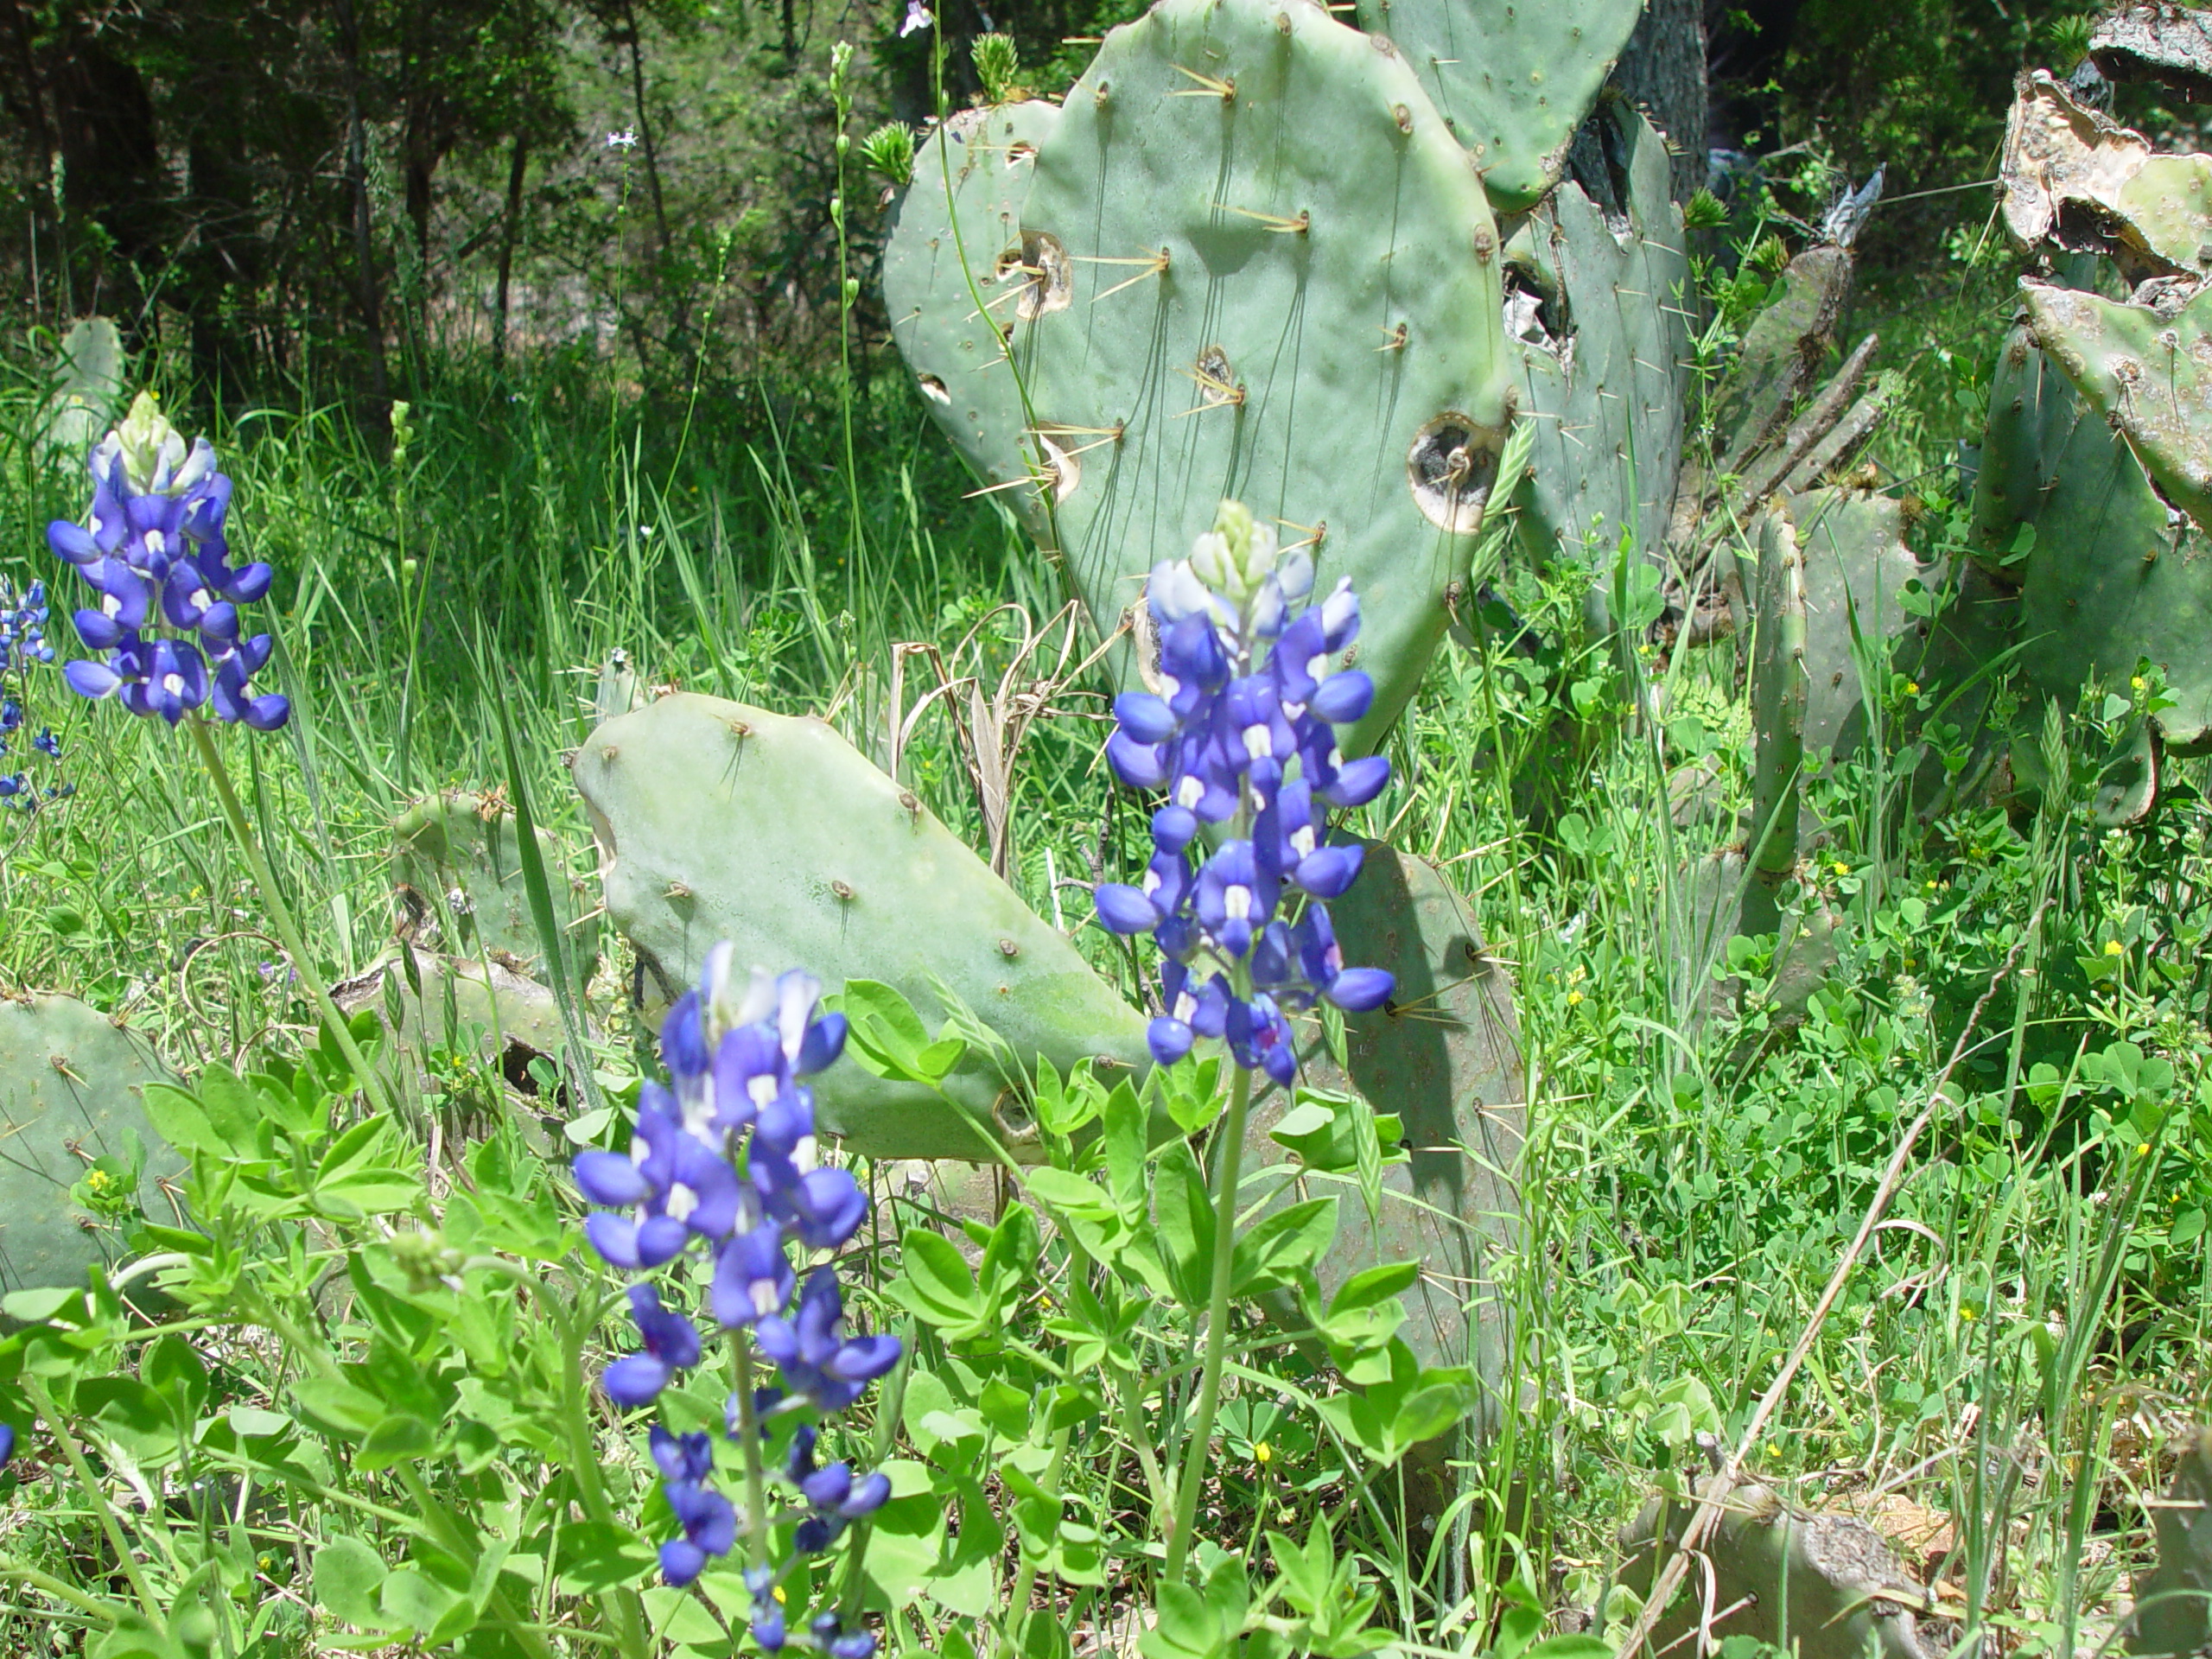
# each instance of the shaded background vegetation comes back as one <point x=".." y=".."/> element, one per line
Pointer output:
<point x="352" y="195"/>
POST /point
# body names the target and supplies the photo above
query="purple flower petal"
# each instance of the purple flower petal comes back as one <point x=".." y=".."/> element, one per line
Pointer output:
<point x="609" y="1178"/>
<point x="636" y="1380"/>
<point x="1357" y="990"/>
<point x="1123" y="909"/>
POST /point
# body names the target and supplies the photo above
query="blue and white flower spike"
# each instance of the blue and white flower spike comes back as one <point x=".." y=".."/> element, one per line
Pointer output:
<point x="722" y="1164"/>
<point x="154" y="550"/>
<point x="1240" y="733"/>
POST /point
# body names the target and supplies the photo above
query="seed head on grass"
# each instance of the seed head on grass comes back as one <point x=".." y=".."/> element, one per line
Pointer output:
<point x="154" y="549"/>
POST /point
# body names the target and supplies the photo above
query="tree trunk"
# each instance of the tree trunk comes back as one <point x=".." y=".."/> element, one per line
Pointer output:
<point x="1662" y="73"/>
<point x="517" y="169"/>
<point x="644" y="126"/>
<point x="356" y="181"/>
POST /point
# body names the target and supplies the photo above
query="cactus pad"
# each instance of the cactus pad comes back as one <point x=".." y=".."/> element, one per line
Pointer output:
<point x="1783" y="348"/>
<point x="2175" y="1600"/>
<point x="717" y="821"/>
<point x="965" y="202"/>
<point x="1596" y="308"/>
<point x="457" y="876"/>
<point x="2076" y="177"/>
<point x="1513" y="79"/>
<point x="1856" y="566"/>
<point x="1264" y="269"/>
<point x="72" y="1089"/>
<point x="2113" y="574"/>
<point x="1811" y="1584"/>
<point x="2147" y="372"/>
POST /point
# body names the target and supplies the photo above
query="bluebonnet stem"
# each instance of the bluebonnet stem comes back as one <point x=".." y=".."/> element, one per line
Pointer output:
<point x="154" y="549"/>
<point x="1240" y="735"/>
<point x="722" y="1164"/>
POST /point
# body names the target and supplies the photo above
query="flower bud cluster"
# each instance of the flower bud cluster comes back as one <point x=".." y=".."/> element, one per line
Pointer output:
<point x="155" y="550"/>
<point x="1241" y="737"/>
<point x="722" y="1167"/>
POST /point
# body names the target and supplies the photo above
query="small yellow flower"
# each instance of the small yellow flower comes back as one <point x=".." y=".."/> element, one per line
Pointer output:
<point x="1912" y="688"/>
<point x="1574" y="999"/>
<point x="2137" y="683"/>
<point x="1967" y="1311"/>
<point x="1774" y="1448"/>
<point x="2112" y="947"/>
<point x="2143" y="1151"/>
<point x="1931" y="887"/>
<point x="1263" y="1452"/>
<point x="1841" y="867"/>
<point x="779" y="1592"/>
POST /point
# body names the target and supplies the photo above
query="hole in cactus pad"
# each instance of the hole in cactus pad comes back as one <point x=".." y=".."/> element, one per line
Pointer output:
<point x="1449" y="470"/>
<point x="1045" y="258"/>
<point x="933" y="389"/>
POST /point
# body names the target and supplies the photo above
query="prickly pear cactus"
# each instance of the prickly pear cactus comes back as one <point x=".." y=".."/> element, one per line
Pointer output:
<point x="1782" y="350"/>
<point x="1596" y="308"/>
<point x="1778" y="697"/>
<point x="1856" y="566"/>
<point x="457" y="877"/>
<point x="1264" y="269"/>
<point x="72" y="1091"/>
<point x="1513" y="79"/>
<point x="2111" y="573"/>
<point x="955" y="240"/>
<point x="717" y="821"/>
<point x="88" y="389"/>
<point x="1444" y="1056"/>
<point x="2176" y="1599"/>
<point x="2147" y="371"/>
<point x="2076" y="177"/>
<point x="1826" y="1586"/>
<point x="459" y="1003"/>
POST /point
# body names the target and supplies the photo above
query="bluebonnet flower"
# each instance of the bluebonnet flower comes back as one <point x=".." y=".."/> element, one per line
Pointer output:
<point x="708" y="1519"/>
<point x="722" y="1162"/>
<point x="47" y="743"/>
<point x="11" y="715"/>
<point x="818" y="1362"/>
<point x="22" y="631"/>
<point x="1240" y="735"/>
<point x="7" y="1443"/>
<point x="672" y="1345"/>
<point x="154" y="552"/>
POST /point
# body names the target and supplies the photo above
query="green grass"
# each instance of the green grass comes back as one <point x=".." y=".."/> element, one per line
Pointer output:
<point x="1691" y="1179"/>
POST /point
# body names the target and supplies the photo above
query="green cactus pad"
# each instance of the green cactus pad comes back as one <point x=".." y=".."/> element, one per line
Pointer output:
<point x="957" y="357"/>
<point x="1856" y="565"/>
<point x="2176" y="1599"/>
<point x="1514" y="79"/>
<point x="456" y="874"/>
<point x="88" y="390"/>
<point x="1811" y="1584"/>
<point x="1778" y="696"/>
<point x="2074" y="176"/>
<point x="72" y="1089"/>
<point x="2146" y="372"/>
<point x="717" y="821"/>
<point x="1320" y="332"/>
<point x="1444" y="1055"/>
<point x="2111" y="576"/>
<point x="1596" y="311"/>
<point x="1783" y="348"/>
